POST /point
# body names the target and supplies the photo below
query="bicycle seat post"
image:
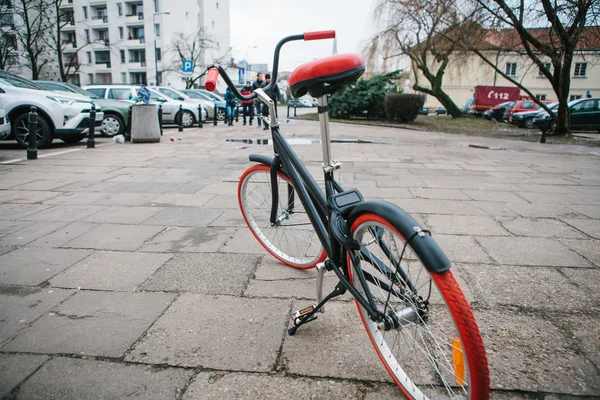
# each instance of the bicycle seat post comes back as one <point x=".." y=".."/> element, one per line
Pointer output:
<point x="325" y="138"/>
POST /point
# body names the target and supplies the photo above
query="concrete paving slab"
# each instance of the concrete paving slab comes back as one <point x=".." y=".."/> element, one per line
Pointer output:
<point x="14" y="368"/>
<point x="248" y="336"/>
<point x="122" y="215"/>
<point x="441" y="194"/>
<point x="6" y="249"/>
<point x="528" y="287"/>
<point x="294" y="288"/>
<point x="530" y="251"/>
<point x="584" y="329"/>
<point x="223" y="201"/>
<point x="7" y="227"/>
<point x="26" y="196"/>
<point x="210" y="273"/>
<point x="462" y="248"/>
<point x="63" y="235"/>
<point x="543" y="227"/>
<point x="522" y="351"/>
<point x="270" y="269"/>
<point x="590" y="227"/>
<point x="31" y="232"/>
<point x="183" y="199"/>
<point x="472" y="225"/>
<point x="71" y="198"/>
<point x="545" y="210"/>
<point x="588" y="211"/>
<point x="111" y="270"/>
<point x="189" y="240"/>
<point x="154" y="187"/>
<point x="32" y="266"/>
<point x="185" y="216"/>
<point x="242" y="241"/>
<point x="127" y="199"/>
<point x="86" y="186"/>
<point x="21" y="305"/>
<point x="338" y="347"/>
<point x="14" y="212"/>
<point x="492" y="195"/>
<point x="92" y="323"/>
<point x="70" y="378"/>
<point x="231" y="218"/>
<point x="494" y="209"/>
<point x="222" y="385"/>
<point x="588" y="279"/>
<point x="115" y="237"/>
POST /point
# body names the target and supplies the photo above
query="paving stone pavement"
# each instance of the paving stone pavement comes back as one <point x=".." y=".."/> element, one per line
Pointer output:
<point x="127" y="270"/>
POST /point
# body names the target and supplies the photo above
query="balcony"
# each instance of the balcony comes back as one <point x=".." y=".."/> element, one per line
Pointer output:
<point x="102" y="65"/>
<point x="134" y="19"/>
<point x="136" y="42"/>
<point x="98" y="20"/>
<point x="66" y="5"/>
<point x="69" y="46"/>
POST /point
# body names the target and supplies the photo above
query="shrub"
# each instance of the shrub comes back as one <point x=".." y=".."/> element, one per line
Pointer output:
<point x="366" y="98"/>
<point x="403" y="107"/>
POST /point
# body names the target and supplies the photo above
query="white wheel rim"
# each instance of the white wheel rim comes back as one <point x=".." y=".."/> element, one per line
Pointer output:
<point x="111" y="126"/>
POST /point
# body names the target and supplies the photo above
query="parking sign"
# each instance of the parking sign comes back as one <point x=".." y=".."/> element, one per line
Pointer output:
<point x="187" y="66"/>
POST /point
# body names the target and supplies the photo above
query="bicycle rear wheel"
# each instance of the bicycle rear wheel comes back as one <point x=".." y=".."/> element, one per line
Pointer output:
<point x="435" y="349"/>
<point x="292" y="240"/>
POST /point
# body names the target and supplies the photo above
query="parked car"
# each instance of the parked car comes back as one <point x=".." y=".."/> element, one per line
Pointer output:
<point x="526" y="119"/>
<point x="220" y="104"/>
<point x="60" y="116"/>
<point x="177" y="95"/>
<point x="4" y="125"/>
<point x="212" y="95"/>
<point x="115" y="111"/>
<point x="424" y="111"/>
<point x="584" y="114"/>
<point x="170" y="107"/>
<point x="294" y="102"/>
<point x="441" y="110"/>
<point x="315" y="102"/>
<point x="499" y="112"/>
<point x="521" y="106"/>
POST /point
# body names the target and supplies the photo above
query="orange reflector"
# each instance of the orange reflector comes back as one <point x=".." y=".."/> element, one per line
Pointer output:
<point x="458" y="362"/>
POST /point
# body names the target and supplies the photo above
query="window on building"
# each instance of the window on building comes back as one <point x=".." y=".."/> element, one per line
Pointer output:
<point x="89" y="56"/>
<point x="511" y="68"/>
<point x="156" y="6"/>
<point x="157" y="30"/>
<point x="10" y="41"/>
<point x="547" y="66"/>
<point x="91" y="79"/>
<point x="6" y="19"/>
<point x="158" y="54"/>
<point x="574" y="97"/>
<point x="540" y="96"/>
<point x="120" y="9"/>
<point x="121" y="34"/>
<point x="123" y="77"/>
<point x="6" y="3"/>
<point x="87" y="35"/>
<point x="122" y="56"/>
<point x="580" y="70"/>
<point x="84" y="12"/>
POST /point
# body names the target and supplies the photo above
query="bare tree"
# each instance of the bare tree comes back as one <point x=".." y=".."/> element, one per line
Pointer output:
<point x="419" y="29"/>
<point x="550" y="33"/>
<point x="192" y="47"/>
<point x="8" y="40"/>
<point x="58" y="19"/>
<point x="30" y="33"/>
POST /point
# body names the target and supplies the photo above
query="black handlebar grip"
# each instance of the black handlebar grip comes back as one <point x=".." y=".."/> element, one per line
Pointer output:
<point x="211" y="80"/>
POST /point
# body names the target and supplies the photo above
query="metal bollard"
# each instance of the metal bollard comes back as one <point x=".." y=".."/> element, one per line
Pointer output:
<point x="237" y="113"/>
<point x="91" y="142"/>
<point x="160" y="112"/>
<point x="180" y="119"/>
<point x="199" y="115"/>
<point x="295" y="111"/>
<point x="33" y="122"/>
<point x="128" y="131"/>
<point x="215" y="114"/>
<point x="288" y="111"/>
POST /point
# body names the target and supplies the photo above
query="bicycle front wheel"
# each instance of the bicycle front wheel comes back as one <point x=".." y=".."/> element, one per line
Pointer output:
<point x="434" y="349"/>
<point x="292" y="239"/>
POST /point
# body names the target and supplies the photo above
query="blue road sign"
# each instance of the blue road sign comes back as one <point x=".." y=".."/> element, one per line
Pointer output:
<point x="187" y="66"/>
<point x="241" y="75"/>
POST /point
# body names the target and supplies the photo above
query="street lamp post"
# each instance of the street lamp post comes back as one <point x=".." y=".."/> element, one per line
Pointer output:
<point x="155" y="49"/>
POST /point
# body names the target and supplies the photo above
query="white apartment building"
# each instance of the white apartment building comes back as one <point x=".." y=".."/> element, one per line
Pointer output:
<point x="128" y="41"/>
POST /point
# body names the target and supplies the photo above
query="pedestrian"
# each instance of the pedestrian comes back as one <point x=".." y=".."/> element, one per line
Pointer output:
<point x="247" y="105"/>
<point x="229" y="106"/>
<point x="258" y="84"/>
<point x="274" y="94"/>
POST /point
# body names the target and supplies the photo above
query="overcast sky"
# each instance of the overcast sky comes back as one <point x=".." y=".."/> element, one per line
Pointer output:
<point x="264" y="23"/>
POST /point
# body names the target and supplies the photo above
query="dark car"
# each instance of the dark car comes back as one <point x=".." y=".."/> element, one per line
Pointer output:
<point x="526" y="119"/>
<point x="294" y="102"/>
<point x="498" y="112"/>
<point x="584" y="114"/>
<point x="424" y="111"/>
<point x="441" y="110"/>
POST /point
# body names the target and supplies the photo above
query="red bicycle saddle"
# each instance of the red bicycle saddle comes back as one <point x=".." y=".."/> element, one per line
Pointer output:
<point x="326" y="75"/>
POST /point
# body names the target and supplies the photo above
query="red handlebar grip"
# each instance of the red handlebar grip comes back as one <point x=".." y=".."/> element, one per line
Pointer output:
<point x="211" y="80"/>
<point x="319" y="35"/>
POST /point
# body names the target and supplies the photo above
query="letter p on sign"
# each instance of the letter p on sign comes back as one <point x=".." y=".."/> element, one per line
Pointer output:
<point x="187" y="66"/>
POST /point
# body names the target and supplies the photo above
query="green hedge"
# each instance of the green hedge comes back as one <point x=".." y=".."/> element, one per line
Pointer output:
<point x="366" y="98"/>
<point x="403" y="107"/>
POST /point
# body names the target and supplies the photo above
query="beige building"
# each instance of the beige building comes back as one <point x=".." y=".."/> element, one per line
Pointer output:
<point x="467" y="70"/>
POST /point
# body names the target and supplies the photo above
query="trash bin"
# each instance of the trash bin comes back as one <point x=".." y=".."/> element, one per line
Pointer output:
<point x="144" y="123"/>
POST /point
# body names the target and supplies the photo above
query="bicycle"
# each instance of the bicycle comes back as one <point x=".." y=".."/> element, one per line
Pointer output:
<point x="411" y="306"/>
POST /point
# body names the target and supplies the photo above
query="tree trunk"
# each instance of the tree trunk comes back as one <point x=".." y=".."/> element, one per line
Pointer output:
<point x="564" y="86"/>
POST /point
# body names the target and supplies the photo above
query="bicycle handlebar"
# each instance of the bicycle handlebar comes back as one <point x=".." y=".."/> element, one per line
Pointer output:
<point x="214" y="70"/>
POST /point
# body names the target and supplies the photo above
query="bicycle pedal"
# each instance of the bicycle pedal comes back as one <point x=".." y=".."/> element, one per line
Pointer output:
<point x="297" y="314"/>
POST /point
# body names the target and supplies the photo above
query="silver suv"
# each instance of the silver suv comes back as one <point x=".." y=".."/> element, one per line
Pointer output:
<point x="170" y="107"/>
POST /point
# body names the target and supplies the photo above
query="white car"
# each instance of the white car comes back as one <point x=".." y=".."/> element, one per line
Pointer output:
<point x="170" y="108"/>
<point x="60" y="116"/>
<point x="4" y="125"/>
<point x="174" y="94"/>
